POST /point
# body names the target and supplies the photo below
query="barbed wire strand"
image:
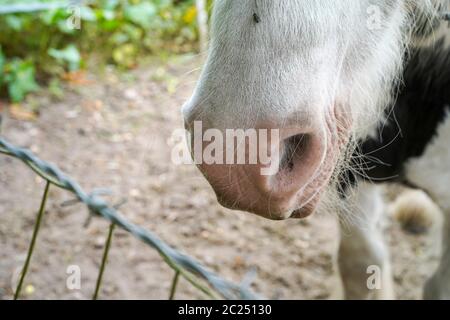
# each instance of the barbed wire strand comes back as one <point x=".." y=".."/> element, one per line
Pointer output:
<point x="173" y="288"/>
<point x="179" y="262"/>
<point x="33" y="241"/>
<point x="104" y="261"/>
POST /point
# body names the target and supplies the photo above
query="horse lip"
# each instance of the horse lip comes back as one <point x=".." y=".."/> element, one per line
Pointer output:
<point x="226" y="202"/>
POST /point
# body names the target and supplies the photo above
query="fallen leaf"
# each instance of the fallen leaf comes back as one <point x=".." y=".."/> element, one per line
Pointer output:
<point x="19" y="113"/>
<point x="93" y="105"/>
<point x="76" y="77"/>
<point x="238" y="262"/>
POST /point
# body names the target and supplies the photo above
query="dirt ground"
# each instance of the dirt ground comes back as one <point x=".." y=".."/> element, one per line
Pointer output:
<point x="113" y="131"/>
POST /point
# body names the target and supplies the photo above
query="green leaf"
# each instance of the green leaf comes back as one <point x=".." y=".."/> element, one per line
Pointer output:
<point x="69" y="54"/>
<point x="51" y="17"/>
<point x="110" y="4"/>
<point x="21" y="80"/>
<point x="108" y="15"/>
<point x="14" y="22"/>
<point x="119" y="38"/>
<point x="65" y="27"/>
<point x="15" y="92"/>
<point x="109" y="25"/>
<point x="87" y="14"/>
<point x="141" y="14"/>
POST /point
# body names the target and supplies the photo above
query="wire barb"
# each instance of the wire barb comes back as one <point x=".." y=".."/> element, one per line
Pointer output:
<point x="187" y="266"/>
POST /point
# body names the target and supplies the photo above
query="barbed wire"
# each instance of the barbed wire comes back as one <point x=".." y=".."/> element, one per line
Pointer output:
<point x="178" y="261"/>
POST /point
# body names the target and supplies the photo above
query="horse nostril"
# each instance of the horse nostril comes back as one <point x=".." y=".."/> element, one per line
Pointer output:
<point x="295" y="150"/>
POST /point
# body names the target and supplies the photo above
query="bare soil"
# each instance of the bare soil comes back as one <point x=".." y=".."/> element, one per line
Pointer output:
<point x="114" y="131"/>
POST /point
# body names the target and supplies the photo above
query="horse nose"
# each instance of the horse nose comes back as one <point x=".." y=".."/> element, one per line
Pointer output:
<point x="272" y="189"/>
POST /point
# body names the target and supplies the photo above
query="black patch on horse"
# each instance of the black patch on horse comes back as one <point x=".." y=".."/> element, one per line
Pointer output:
<point x="411" y="124"/>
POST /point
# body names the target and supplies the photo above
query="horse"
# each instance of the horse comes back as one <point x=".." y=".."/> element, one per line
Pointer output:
<point x="357" y="93"/>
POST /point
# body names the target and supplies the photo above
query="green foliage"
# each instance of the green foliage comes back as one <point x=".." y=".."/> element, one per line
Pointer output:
<point x="19" y="76"/>
<point x="43" y="45"/>
<point x="141" y="14"/>
<point x="69" y="55"/>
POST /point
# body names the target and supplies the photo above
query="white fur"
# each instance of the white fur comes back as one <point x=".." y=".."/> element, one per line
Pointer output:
<point x="362" y="247"/>
<point x="302" y="58"/>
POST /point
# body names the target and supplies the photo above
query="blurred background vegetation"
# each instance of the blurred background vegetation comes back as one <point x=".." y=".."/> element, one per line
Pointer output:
<point x="42" y="47"/>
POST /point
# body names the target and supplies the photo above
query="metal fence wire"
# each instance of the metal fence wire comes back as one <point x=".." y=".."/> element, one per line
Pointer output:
<point x="182" y="264"/>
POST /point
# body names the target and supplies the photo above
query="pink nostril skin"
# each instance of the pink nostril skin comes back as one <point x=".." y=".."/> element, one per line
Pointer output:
<point x="300" y="162"/>
<point x="300" y="157"/>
